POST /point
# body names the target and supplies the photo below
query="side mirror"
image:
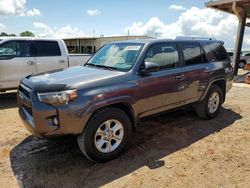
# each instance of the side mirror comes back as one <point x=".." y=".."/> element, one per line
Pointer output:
<point x="149" y="67"/>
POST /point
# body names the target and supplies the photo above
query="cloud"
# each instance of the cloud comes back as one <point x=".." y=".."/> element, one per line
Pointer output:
<point x="12" y="7"/>
<point x="33" y="12"/>
<point x="43" y="30"/>
<point x="193" y="22"/>
<point x="93" y="12"/>
<point x="16" y="8"/>
<point x="176" y="7"/>
<point x="153" y="26"/>
<point x="2" y="27"/>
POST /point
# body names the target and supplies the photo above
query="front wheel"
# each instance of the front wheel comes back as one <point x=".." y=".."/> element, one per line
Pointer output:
<point x="106" y="135"/>
<point x="211" y="105"/>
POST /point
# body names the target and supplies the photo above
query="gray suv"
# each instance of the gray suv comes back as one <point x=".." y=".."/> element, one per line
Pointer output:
<point x="102" y="101"/>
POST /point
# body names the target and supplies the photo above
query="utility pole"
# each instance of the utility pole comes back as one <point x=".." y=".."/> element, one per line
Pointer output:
<point x="128" y="34"/>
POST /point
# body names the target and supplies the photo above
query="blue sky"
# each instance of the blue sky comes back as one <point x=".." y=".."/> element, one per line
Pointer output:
<point x="78" y="18"/>
<point x="114" y="15"/>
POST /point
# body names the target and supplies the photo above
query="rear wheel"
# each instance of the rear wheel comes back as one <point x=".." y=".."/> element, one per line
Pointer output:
<point x="211" y="105"/>
<point x="106" y="135"/>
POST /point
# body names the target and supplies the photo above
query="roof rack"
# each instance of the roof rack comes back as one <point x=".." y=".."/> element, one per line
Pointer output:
<point x="193" y="38"/>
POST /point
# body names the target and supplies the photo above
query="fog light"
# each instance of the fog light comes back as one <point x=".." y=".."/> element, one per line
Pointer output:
<point x="55" y="121"/>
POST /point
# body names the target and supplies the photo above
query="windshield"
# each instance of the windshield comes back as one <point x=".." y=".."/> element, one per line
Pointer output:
<point x="119" y="56"/>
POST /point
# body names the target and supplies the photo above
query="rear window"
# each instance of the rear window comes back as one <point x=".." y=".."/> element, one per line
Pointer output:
<point x="47" y="48"/>
<point x="215" y="51"/>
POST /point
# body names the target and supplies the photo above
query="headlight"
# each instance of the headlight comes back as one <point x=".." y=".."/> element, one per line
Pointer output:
<point x="58" y="98"/>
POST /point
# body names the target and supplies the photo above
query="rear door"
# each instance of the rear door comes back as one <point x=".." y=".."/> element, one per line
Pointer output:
<point x="49" y="56"/>
<point x="161" y="90"/>
<point x="16" y="62"/>
<point x="197" y="71"/>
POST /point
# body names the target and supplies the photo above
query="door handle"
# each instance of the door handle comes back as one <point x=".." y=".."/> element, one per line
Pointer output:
<point x="30" y="62"/>
<point x="182" y="87"/>
<point x="61" y="61"/>
<point x="208" y="70"/>
<point x="179" y="77"/>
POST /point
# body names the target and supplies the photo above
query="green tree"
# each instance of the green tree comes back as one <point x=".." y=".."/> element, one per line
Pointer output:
<point x="27" y="34"/>
<point x="3" y="34"/>
<point x="12" y="35"/>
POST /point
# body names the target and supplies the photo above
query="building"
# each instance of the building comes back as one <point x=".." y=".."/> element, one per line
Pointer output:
<point x="92" y="44"/>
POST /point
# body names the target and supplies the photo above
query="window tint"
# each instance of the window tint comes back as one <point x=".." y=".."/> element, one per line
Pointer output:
<point x="47" y="48"/>
<point x="192" y="53"/>
<point x="215" y="51"/>
<point x="165" y="55"/>
<point x="15" y="49"/>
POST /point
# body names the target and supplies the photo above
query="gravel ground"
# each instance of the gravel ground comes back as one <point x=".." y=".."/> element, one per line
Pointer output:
<point x="176" y="149"/>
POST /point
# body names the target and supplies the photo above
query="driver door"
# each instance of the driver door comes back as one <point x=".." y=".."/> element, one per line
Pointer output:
<point x="162" y="90"/>
<point x="16" y="62"/>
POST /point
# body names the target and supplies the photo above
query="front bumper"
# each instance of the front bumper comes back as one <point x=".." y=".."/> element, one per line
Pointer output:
<point x="38" y="117"/>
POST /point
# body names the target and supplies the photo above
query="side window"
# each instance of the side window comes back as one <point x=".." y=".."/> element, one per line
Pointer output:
<point x="23" y="49"/>
<point x="15" y="49"/>
<point x="47" y="48"/>
<point x="216" y="52"/>
<point x="192" y="54"/>
<point x="165" y="55"/>
<point x="8" y="49"/>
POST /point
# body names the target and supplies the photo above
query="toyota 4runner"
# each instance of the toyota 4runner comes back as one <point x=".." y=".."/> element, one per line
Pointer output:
<point x="102" y="101"/>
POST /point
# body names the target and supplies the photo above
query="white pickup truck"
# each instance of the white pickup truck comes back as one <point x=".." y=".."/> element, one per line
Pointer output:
<point x="21" y="56"/>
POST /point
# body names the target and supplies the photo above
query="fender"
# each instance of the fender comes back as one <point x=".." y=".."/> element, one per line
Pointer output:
<point x="209" y="85"/>
<point x="108" y="102"/>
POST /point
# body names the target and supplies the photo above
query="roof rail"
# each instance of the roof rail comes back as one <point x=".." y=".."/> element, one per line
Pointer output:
<point x="193" y="38"/>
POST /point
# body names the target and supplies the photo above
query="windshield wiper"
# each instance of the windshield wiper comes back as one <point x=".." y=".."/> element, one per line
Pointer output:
<point x="102" y="66"/>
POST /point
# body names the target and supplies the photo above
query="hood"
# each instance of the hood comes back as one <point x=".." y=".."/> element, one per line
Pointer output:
<point x="70" y="78"/>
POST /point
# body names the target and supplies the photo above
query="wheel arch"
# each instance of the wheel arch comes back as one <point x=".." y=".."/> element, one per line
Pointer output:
<point x="123" y="105"/>
<point x="127" y="108"/>
<point x="218" y="82"/>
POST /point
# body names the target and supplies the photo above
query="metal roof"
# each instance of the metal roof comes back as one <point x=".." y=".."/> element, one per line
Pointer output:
<point x="227" y="5"/>
<point x="107" y="37"/>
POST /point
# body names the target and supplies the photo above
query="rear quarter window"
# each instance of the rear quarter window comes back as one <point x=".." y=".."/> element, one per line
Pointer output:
<point x="192" y="53"/>
<point x="47" y="48"/>
<point x="215" y="51"/>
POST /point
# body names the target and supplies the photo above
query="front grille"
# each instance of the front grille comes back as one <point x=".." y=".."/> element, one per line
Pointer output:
<point x="25" y="90"/>
<point x="28" y="109"/>
<point x="26" y="99"/>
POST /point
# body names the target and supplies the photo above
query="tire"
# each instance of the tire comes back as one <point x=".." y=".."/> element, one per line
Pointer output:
<point x="207" y="109"/>
<point x="242" y="64"/>
<point x="104" y="145"/>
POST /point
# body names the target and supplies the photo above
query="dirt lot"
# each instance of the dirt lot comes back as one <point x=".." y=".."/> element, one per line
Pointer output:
<point x="173" y="150"/>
